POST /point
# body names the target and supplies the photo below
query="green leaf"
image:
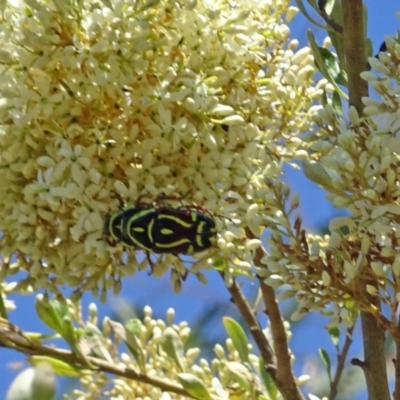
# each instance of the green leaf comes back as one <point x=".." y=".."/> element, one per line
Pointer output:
<point x="219" y="264"/>
<point x="334" y="334"/>
<point x="328" y="6"/>
<point x="337" y="37"/>
<point x="94" y="343"/>
<point x="173" y="346"/>
<point x="326" y="361"/>
<point x="326" y="63"/>
<point x="130" y="334"/>
<point x="49" y="312"/>
<point x="69" y="334"/>
<point x="60" y="367"/>
<point x="194" y="386"/>
<point x="3" y="310"/>
<point x="304" y="11"/>
<point x="316" y="173"/>
<point x="332" y="66"/>
<point x="240" y="374"/>
<point x="238" y="336"/>
<point x="369" y="48"/>
<point x="337" y="103"/>
<point x="267" y="379"/>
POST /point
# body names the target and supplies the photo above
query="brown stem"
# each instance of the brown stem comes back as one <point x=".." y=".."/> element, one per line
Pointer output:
<point x="396" y="394"/>
<point x="374" y="357"/>
<point x="354" y="50"/>
<point x="13" y="337"/>
<point x="284" y="374"/>
<point x="373" y="334"/>
<point x="285" y="379"/>
<point x="341" y="361"/>
<point x="255" y="329"/>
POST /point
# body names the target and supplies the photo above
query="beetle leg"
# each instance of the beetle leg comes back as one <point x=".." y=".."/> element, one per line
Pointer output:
<point x="119" y="198"/>
<point x="150" y="263"/>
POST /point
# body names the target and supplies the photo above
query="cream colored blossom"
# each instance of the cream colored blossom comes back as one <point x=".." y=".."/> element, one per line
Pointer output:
<point x="356" y="160"/>
<point x="175" y="98"/>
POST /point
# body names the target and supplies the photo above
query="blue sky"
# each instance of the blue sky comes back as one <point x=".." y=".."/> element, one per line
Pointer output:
<point x="193" y="299"/>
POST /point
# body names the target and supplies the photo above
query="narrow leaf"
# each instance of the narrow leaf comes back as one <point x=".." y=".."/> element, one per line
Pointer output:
<point x="304" y="11"/>
<point x="48" y="313"/>
<point x="326" y="361"/>
<point x="319" y="59"/>
<point x="132" y="334"/>
<point x="337" y="38"/>
<point x="68" y="332"/>
<point x="60" y="367"/>
<point x="94" y="344"/>
<point x="241" y="374"/>
<point x="315" y="172"/>
<point x="3" y="311"/>
<point x="238" y="336"/>
<point x="337" y="103"/>
<point x="172" y="345"/>
<point x="328" y="6"/>
<point x="267" y="379"/>
<point x="194" y="386"/>
<point x="334" y="334"/>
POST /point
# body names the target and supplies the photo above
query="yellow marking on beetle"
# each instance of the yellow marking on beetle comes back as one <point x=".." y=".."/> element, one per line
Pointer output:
<point x="138" y="229"/>
<point x="177" y="220"/>
<point x="111" y="228"/>
<point x="150" y="230"/>
<point x="166" y="231"/>
<point x="200" y="227"/>
<point x="139" y="244"/>
<point x="194" y="216"/>
<point x="173" y="244"/>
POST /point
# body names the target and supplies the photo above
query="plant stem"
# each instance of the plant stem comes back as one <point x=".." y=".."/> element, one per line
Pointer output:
<point x="284" y="378"/>
<point x="354" y="49"/>
<point x="14" y="338"/>
<point x="341" y="361"/>
<point x="396" y="394"/>
<point x="255" y="329"/>
<point x="374" y="365"/>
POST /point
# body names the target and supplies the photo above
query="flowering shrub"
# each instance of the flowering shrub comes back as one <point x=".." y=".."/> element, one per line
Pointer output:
<point x="201" y="103"/>
<point x="140" y="99"/>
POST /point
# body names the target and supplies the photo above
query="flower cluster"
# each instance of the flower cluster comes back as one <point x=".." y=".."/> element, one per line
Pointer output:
<point x="160" y="358"/>
<point x="357" y="162"/>
<point x="140" y="99"/>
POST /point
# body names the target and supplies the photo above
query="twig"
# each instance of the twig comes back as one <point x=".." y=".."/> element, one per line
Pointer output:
<point x="373" y="333"/>
<point x="285" y="379"/>
<point x="13" y="337"/>
<point x="284" y="374"/>
<point x="396" y="394"/>
<point x="374" y="356"/>
<point x="255" y="329"/>
<point x="341" y="361"/>
<point x="355" y="53"/>
<point x="321" y="11"/>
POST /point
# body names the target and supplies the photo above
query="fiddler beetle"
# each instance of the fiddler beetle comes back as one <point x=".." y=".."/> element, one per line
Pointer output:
<point x="161" y="228"/>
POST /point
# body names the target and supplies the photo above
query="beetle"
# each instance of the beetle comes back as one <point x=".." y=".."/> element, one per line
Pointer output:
<point x="183" y="230"/>
<point x="130" y="226"/>
<point x="161" y="228"/>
